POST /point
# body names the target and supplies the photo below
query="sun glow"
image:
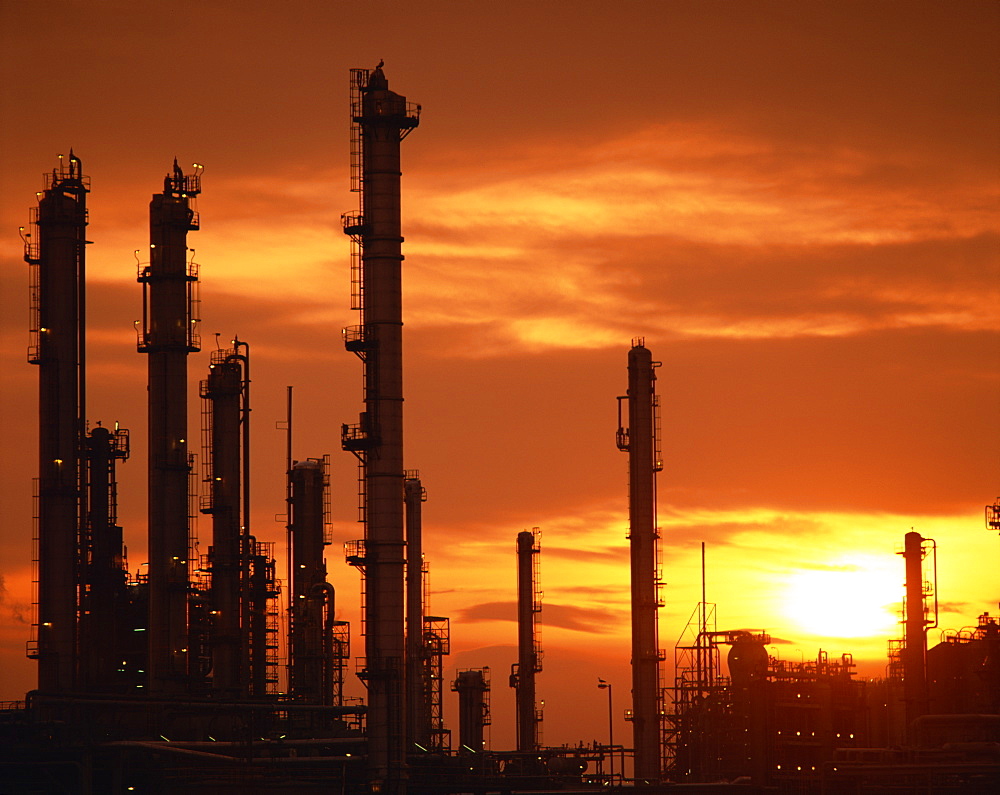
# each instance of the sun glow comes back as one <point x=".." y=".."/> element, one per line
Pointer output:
<point x="852" y="598"/>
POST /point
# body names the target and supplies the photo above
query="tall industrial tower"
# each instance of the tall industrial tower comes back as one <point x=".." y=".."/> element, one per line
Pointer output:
<point x="915" y="694"/>
<point x="639" y="439"/>
<point x="167" y="336"/>
<point x="380" y="120"/>
<point x="529" y="653"/>
<point x="55" y="251"/>
<point x="226" y="393"/>
<point x="318" y="642"/>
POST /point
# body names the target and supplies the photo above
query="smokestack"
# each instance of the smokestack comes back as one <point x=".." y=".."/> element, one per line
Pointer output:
<point x="381" y="119"/>
<point x="639" y="440"/>
<point x="55" y="251"/>
<point x="529" y="657"/>
<point x="167" y="336"/>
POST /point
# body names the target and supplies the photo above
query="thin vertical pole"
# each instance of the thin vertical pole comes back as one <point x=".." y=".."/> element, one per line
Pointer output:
<point x="288" y="530"/>
<point x="611" y="733"/>
<point x="704" y="600"/>
<point x="704" y="661"/>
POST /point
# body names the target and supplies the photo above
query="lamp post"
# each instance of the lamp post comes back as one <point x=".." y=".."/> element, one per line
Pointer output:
<point x="611" y="726"/>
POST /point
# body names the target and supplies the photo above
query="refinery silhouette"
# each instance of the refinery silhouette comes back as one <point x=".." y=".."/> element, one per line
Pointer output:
<point x="171" y="681"/>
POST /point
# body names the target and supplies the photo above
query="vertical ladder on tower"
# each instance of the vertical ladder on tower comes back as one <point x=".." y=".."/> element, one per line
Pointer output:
<point x="359" y="81"/>
<point x="353" y="224"/>
<point x="536" y="597"/>
<point x="32" y="255"/>
<point x="194" y="506"/>
<point x="327" y="505"/>
<point x="31" y="645"/>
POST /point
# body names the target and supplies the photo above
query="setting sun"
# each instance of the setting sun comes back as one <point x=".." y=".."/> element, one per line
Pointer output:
<point x="852" y="598"/>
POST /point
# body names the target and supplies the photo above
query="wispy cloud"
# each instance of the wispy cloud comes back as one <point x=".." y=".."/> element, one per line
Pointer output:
<point x="563" y="616"/>
<point x="684" y="229"/>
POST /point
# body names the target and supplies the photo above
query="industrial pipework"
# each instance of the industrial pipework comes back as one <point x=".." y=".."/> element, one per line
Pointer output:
<point x="418" y="690"/>
<point x="55" y="251"/>
<point x="380" y="120"/>
<point x="167" y="335"/>
<point x="639" y="439"/>
<point x="529" y="653"/>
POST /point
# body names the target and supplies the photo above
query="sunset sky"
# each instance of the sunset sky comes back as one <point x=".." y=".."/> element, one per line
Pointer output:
<point x="793" y="203"/>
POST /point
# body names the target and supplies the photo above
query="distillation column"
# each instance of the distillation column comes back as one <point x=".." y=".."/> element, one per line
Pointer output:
<point x="528" y="655"/>
<point x="167" y="336"/>
<point x="314" y="662"/>
<point x="57" y="260"/>
<point x="381" y="118"/>
<point x="639" y="440"/>
<point x="224" y="392"/>
<point x="473" y="689"/>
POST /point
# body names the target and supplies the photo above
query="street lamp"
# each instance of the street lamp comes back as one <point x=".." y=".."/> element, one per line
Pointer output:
<point x="611" y="726"/>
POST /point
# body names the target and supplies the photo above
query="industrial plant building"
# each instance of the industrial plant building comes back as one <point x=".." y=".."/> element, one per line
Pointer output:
<point x="171" y="681"/>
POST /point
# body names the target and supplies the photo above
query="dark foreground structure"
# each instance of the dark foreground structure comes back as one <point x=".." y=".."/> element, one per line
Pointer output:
<point x="168" y="681"/>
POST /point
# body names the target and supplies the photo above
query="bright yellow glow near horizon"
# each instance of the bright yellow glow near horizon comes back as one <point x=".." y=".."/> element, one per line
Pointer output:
<point x="855" y="597"/>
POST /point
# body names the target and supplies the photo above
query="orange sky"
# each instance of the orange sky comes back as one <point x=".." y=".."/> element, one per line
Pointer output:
<point x="794" y="203"/>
